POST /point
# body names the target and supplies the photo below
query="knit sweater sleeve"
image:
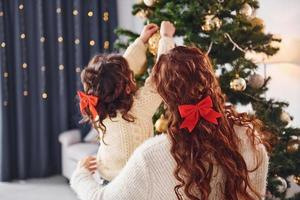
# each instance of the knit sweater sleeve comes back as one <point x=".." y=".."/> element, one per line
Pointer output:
<point x="257" y="161"/>
<point x="147" y="97"/>
<point x="132" y="182"/>
<point x="135" y="55"/>
<point x="258" y="178"/>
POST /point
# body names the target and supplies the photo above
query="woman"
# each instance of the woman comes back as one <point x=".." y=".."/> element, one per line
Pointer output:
<point x="209" y="151"/>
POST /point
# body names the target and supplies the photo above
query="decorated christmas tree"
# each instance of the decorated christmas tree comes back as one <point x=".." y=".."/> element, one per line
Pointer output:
<point x="230" y="33"/>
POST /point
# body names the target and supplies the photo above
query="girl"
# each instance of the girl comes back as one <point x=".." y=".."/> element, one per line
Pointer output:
<point x="112" y="103"/>
<point x="210" y="152"/>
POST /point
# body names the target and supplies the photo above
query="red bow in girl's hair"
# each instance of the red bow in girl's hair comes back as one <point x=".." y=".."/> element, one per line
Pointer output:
<point x="192" y="113"/>
<point x="89" y="101"/>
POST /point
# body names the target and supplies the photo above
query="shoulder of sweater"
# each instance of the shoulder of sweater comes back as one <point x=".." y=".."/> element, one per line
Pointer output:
<point x="241" y="131"/>
<point x="246" y="140"/>
<point x="156" y="143"/>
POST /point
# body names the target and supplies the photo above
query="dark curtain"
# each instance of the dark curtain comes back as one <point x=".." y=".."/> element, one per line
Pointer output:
<point x="44" y="46"/>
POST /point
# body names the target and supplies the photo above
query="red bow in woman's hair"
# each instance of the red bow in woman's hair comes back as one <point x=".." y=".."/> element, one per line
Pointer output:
<point x="89" y="101"/>
<point x="192" y="113"/>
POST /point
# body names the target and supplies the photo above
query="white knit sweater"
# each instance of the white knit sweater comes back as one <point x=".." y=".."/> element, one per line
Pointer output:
<point x="123" y="137"/>
<point x="148" y="175"/>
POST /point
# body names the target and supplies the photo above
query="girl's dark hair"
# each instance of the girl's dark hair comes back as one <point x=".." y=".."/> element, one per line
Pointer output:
<point x="110" y="79"/>
<point x="185" y="76"/>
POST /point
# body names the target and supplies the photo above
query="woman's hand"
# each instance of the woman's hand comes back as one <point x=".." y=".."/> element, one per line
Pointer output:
<point x="148" y="31"/>
<point x="89" y="163"/>
<point x="167" y="29"/>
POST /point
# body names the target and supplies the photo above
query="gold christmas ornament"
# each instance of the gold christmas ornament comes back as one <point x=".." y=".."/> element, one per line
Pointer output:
<point x="297" y="180"/>
<point x="161" y="125"/>
<point x="282" y="184"/>
<point x="206" y="27"/>
<point x="256" y="81"/>
<point x="246" y="10"/>
<point x="153" y="43"/>
<point x="293" y="144"/>
<point x="143" y="14"/>
<point x="238" y="84"/>
<point x="211" y="22"/>
<point x="217" y="22"/>
<point x="258" y="22"/>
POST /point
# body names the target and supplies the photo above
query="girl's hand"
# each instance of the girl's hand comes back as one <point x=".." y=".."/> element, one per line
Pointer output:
<point x="89" y="163"/>
<point x="148" y="31"/>
<point x="167" y="29"/>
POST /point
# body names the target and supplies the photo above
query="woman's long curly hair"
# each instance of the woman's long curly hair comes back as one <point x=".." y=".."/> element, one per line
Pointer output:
<point x="185" y="76"/>
<point x="109" y="78"/>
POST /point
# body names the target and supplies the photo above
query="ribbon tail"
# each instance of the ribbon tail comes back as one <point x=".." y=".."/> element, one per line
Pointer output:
<point x="93" y="111"/>
<point x="190" y="122"/>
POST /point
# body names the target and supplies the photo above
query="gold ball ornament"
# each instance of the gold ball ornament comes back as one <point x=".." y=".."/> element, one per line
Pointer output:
<point x="258" y="22"/>
<point x="282" y="184"/>
<point x="143" y="14"/>
<point x="238" y="84"/>
<point x="217" y="22"/>
<point x="246" y="10"/>
<point x="211" y="22"/>
<point x="297" y="180"/>
<point x="161" y="125"/>
<point x="256" y="81"/>
<point x="153" y="43"/>
<point x="293" y="145"/>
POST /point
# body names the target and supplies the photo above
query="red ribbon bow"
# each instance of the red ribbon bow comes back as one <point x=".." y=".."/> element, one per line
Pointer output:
<point x="89" y="101"/>
<point x="192" y="113"/>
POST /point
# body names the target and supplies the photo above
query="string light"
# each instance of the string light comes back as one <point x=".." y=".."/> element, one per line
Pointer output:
<point x="77" y="41"/>
<point x="42" y="39"/>
<point x="43" y="68"/>
<point x="75" y="12"/>
<point x="58" y="10"/>
<point x="44" y="95"/>
<point x="61" y="67"/>
<point x="5" y="74"/>
<point x="25" y="93"/>
<point x="5" y="103"/>
<point x="24" y="65"/>
<point x="23" y="36"/>
<point x="105" y="16"/>
<point x="77" y="69"/>
<point x="1" y="13"/>
<point x="21" y="6"/>
<point x="92" y="43"/>
<point x="60" y="39"/>
<point x="90" y="13"/>
<point x="106" y="44"/>
<point x="3" y="44"/>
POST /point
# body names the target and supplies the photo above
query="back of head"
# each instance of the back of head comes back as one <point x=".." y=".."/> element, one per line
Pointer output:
<point x="185" y="76"/>
<point x="110" y="79"/>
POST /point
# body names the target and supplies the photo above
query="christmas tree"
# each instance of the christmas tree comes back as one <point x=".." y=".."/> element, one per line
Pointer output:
<point x="231" y="34"/>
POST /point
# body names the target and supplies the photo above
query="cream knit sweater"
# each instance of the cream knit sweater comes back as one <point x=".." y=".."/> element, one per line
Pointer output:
<point x="148" y="175"/>
<point x="123" y="137"/>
